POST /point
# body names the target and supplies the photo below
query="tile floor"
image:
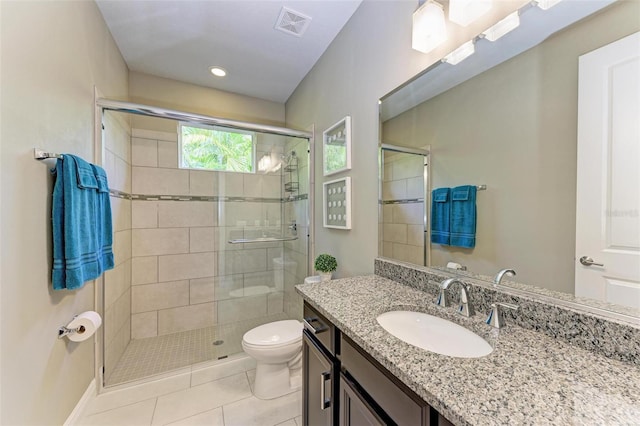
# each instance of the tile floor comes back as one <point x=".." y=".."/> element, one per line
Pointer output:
<point x="156" y="355"/>
<point x="214" y="394"/>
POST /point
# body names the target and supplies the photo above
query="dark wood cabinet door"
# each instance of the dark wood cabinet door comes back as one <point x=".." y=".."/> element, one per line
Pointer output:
<point x="354" y="409"/>
<point x="318" y="380"/>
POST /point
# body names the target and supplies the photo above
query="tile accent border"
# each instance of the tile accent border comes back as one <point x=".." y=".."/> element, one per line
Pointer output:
<point x="609" y="337"/>
<point x="144" y="197"/>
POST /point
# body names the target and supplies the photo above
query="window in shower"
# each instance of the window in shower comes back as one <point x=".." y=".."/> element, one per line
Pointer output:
<point x="216" y="148"/>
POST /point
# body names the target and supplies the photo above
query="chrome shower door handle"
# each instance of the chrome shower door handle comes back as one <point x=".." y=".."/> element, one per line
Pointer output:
<point x="587" y="261"/>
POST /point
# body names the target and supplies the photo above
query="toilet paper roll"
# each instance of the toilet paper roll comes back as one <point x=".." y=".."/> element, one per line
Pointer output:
<point x="454" y="265"/>
<point x="87" y="323"/>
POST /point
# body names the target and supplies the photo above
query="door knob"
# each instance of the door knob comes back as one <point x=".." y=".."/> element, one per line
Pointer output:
<point x="587" y="261"/>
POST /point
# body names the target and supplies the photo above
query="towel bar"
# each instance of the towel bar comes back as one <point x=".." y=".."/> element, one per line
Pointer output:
<point x="40" y="154"/>
<point x="261" y="240"/>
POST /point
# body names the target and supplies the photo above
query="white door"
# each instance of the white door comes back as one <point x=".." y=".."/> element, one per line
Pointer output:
<point x="608" y="187"/>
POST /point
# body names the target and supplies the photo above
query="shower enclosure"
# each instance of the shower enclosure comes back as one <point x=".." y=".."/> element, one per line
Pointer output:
<point x="209" y="238"/>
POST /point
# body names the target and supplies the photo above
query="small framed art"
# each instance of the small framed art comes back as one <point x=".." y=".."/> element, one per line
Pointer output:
<point x="337" y="203"/>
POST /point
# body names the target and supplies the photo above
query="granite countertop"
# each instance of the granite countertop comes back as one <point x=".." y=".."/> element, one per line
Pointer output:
<point x="529" y="378"/>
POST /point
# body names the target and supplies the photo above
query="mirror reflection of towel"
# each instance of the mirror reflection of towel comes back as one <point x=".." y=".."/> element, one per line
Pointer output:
<point x="463" y="216"/>
<point x="440" y="216"/>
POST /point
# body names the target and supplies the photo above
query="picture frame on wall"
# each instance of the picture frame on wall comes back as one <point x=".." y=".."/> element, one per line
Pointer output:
<point x="336" y="147"/>
<point x="336" y="210"/>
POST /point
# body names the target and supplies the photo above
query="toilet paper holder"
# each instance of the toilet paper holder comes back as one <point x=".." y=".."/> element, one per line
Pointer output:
<point x="65" y="331"/>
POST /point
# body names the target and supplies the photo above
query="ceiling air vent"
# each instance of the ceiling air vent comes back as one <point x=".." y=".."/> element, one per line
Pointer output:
<point x="292" y="22"/>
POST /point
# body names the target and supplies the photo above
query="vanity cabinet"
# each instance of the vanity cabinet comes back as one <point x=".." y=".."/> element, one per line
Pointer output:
<point x="343" y="385"/>
<point x="355" y="409"/>
<point x="320" y="370"/>
<point x="400" y="404"/>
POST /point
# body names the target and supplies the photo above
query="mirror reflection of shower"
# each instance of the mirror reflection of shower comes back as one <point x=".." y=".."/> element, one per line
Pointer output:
<point x="404" y="194"/>
<point x="202" y="256"/>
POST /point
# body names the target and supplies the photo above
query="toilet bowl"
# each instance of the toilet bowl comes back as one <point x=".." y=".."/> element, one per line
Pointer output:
<point x="277" y="349"/>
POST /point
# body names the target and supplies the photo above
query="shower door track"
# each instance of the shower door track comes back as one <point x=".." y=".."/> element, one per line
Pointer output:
<point x="153" y="111"/>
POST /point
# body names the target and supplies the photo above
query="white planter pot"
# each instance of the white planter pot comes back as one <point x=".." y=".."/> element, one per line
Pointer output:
<point x="325" y="276"/>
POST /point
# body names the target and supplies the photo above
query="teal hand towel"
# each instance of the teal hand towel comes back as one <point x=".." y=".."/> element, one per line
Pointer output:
<point x="463" y="216"/>
<point x="440" y="216"/>
<point x="81" y="223"/>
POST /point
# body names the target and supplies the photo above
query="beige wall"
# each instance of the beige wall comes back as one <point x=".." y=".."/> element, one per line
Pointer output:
<point x="53" y="53"/>
<point x="371" y="56"/>
<point x="514" y="128"/>
<point x="163" y="92"/>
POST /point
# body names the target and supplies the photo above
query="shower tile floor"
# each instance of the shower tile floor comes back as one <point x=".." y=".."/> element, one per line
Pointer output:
<point x="156" y="355"/>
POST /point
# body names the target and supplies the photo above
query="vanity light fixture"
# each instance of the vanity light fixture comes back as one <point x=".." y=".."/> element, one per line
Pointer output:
<point x="502" y="27"/>
<point x="218" y="72"/>
<point x="429" y="27"/>
<point x="464" y="12"/>
<point x="547" y="4"/>
<point x="461" y="53"/>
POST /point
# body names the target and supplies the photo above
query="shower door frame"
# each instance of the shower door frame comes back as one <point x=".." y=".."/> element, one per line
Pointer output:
<point x="103" y="105"/>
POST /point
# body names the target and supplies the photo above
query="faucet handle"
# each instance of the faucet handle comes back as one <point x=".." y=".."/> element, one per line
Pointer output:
<point x="495" y="315"/>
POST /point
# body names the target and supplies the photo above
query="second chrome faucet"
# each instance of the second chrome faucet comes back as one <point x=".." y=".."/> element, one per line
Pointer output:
<point x="465" y="308"/>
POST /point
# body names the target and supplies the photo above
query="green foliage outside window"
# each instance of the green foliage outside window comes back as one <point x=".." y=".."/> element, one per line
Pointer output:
<point x="213" y="148"/>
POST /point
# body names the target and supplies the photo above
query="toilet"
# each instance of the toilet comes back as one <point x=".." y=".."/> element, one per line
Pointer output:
<point x="277" y="349"/>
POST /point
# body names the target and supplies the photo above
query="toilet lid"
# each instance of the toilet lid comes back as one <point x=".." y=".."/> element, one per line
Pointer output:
<point x="274" y="333"/>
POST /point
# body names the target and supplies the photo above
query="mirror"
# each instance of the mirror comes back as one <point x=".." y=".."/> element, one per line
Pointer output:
<point x="336" y="147"/>
<point x="506" y="117"/>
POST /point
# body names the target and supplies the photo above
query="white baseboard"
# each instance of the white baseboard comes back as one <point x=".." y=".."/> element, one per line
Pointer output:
<point x="77" y="412"/>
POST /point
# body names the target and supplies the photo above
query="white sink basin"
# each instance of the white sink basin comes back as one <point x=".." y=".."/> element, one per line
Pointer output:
<point x="434" y="334"/>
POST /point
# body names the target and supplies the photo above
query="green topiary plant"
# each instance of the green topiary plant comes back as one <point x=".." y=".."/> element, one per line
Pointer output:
<point x="325" y="263"/>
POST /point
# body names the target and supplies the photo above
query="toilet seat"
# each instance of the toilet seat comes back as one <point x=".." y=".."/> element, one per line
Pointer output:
<point x="274" y="334"/>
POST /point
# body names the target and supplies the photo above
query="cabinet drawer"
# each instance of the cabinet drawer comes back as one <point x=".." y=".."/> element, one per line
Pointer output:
<point x="400" y="403"/>
<point x="321" y="328"/>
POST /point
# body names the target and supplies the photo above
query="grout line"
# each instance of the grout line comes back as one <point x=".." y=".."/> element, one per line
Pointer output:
<point x="155" y="407"/>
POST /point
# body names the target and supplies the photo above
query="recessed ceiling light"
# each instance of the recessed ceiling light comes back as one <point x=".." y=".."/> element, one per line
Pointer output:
<point x="218" y="72"/>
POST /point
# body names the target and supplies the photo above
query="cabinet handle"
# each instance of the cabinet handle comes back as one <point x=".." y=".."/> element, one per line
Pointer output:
<point x="324" y="402"/>
<point x="308" y="324"/>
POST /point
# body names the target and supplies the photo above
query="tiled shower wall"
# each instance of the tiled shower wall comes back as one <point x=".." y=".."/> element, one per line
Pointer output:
<point x="185" y="274"/>
<point x="117" y="281"/>
<point x="403" y="207"/>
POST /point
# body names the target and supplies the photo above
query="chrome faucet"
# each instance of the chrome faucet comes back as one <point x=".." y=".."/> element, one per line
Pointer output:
<point x="465" y="307"/>
<point x="498" y="278"/>
<point x="495" y="318"/>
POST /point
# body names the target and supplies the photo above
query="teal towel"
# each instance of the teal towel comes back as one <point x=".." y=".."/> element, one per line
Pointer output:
<point x="463" y="216"/>
<point x="81" y="223"/>
<point x="440" y="216"/>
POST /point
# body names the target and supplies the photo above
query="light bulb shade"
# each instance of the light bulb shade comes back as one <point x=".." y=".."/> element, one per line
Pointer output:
<point x="265" y="163"/>
<point x="269" y="163"/>
<point x="461" y="53"/>
<point x="464" y="12"/>
<point x="547" y="4"/>
<point x="502" y="27"/>
<point x="429" y="28"/>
